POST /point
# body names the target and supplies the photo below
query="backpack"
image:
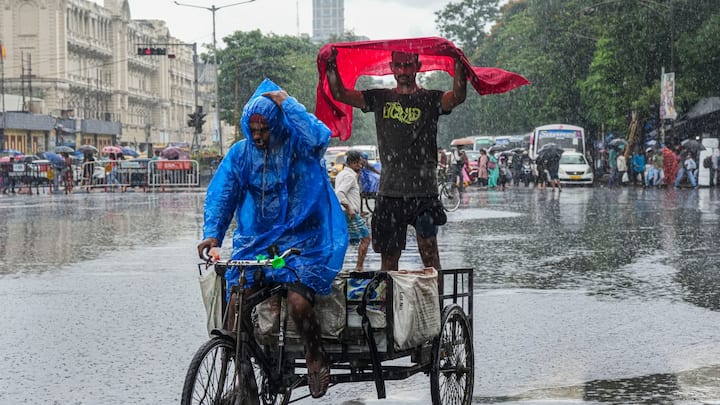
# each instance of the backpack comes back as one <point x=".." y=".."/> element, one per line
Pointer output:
<point x="707" y="162"/>
<point x="491" y="165"/>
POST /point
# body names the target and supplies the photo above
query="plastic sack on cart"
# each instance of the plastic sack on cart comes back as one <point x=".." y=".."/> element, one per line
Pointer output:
<point x="375" y="308"/>
<point x="416" y="307"/>
<point x="329" y="310"/>
<point x="211" y="287"/>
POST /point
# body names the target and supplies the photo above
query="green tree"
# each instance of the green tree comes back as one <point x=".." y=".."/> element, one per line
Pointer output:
<point x="465" y="21"/>
<point x="250" y="57"/>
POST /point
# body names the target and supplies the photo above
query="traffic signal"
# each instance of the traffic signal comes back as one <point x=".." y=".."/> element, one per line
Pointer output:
<point x="193" y="120"/>
<point x="147" y="51"/>
<point x="199" y="120"/>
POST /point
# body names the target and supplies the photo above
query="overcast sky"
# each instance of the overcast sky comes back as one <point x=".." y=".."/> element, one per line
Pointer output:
<point x="376" y="19"/>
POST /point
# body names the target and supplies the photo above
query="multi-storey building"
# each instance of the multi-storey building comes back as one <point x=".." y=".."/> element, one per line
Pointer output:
<point x="81" y="59"/>
<point x="328" y="19"/>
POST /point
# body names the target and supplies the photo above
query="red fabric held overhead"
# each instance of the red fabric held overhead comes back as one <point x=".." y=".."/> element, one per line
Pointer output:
<point x="372" y="58"/>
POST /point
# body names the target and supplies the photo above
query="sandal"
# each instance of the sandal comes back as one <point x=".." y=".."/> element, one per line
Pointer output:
<point x="318" y="376"/>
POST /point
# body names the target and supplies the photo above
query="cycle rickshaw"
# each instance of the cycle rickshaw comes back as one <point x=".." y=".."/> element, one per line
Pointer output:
<point x="263" y="369"/>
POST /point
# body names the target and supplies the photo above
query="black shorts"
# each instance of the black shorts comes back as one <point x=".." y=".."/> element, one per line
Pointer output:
<point x="392" y="216"/>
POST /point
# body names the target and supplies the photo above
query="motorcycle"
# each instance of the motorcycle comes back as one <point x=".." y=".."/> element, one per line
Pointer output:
<point x="526" y="172"/>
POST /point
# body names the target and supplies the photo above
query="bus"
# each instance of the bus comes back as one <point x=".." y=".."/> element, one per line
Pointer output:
<point x="514" y="141"/>
<point x="567" y="137"/>
<point x="483" y="142"/>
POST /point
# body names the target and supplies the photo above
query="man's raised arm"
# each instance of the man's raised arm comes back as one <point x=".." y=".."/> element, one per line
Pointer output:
<point x="337" y="88"/>
<point x="456" y="96"/>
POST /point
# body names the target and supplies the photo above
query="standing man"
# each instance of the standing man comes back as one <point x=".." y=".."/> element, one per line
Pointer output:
<point x="347" y="190"/>
<point x="406" y="123"/>
<point x="553" y="168"/>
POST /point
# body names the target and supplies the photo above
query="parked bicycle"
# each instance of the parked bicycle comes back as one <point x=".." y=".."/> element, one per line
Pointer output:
<point x="448" y="190"/>
<point x="240" y="367"/>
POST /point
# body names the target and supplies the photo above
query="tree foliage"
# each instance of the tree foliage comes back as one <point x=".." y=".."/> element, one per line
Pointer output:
<point x="591" y="62"/>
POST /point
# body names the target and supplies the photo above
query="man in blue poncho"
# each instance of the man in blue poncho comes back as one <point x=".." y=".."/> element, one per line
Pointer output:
<point x="275" y="186"/>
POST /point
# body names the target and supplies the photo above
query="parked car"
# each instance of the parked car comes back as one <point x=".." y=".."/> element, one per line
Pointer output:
<point x="574" y="169"/>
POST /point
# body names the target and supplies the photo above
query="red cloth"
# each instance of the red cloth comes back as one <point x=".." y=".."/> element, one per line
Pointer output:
<point x="372" y="58"/>
<point x="670" y="166"/>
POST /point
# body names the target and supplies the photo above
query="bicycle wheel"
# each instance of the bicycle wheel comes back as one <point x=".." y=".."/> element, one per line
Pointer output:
<point x="452" y="372"/>
<point x="450" y="197"/>
<point x="268" y="395"/>
<point x="212" y="377"/>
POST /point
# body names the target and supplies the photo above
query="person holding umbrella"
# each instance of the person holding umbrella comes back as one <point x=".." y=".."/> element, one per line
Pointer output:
<point x="553" y="167"/>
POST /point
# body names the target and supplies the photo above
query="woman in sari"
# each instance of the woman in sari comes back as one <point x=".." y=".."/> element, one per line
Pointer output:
<point x="493" y="169"/>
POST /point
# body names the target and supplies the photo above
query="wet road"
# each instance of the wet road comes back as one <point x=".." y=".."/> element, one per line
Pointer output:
<point x="584" y="296"/>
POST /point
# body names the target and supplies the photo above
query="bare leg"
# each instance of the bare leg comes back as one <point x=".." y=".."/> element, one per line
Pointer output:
<point x="304" y="317"/>
<point x="230" y="323"/>
<point x="389" y="261"/>
<point x="362" y="252"/>
<point x="430" y="255"/>
<point x="309" y="328"/>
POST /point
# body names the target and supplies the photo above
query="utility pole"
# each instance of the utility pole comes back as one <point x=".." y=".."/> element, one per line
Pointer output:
<point x="2" y="92"/>
<point x="213" y="9"/>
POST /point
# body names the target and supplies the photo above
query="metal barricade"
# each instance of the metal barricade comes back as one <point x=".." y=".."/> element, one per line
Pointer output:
<point x="173" y="174"/>
<point x="21" y="177"/>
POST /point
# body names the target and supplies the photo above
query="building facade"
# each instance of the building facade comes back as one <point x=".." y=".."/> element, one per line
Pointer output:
<point x="328" y="19"/>
<point x="83" y="61"/>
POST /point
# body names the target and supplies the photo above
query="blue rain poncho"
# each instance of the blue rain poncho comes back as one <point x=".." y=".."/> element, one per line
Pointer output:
<point x="281" y="195"/>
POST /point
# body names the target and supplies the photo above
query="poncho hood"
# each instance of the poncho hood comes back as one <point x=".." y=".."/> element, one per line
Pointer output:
<point x="264" y="106"/>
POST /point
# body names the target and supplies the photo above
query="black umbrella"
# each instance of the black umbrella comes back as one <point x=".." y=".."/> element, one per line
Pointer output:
<point x="550" y="149"/>
<point x="692" y="145"/>
<point x="550" y="153"/>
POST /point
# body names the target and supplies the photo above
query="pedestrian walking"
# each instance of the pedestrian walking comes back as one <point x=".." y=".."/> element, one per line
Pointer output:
<point x="687" y="170"/>
<point x="483" y="168"/>
<point x="622" y="168"/>
<point x="714" y="164"/>
<point x="612" y="165"/>
<point x="493" y="170"/>
<point x="347" y="190"/>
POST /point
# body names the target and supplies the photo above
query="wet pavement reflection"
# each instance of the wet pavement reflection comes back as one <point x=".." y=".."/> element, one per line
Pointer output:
<point x="591" y="295"/>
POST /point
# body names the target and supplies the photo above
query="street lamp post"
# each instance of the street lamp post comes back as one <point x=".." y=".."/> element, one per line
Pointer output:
<point x="213" y="9"/>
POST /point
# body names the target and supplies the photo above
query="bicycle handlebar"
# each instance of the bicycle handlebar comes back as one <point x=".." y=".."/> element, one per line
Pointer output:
<point x="260" y="261"/>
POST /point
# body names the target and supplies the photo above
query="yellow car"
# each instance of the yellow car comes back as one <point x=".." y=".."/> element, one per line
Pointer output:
<point x="338" y="163"/>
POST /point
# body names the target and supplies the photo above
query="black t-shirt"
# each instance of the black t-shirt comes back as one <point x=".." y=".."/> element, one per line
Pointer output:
<point x="406" y="126"/>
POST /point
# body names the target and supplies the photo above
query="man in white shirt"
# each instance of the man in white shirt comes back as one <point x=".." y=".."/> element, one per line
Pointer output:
<point x="347" y="190"/>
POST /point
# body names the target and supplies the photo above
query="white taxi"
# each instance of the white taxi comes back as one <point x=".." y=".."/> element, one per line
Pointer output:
<point x="575" y="169"/>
